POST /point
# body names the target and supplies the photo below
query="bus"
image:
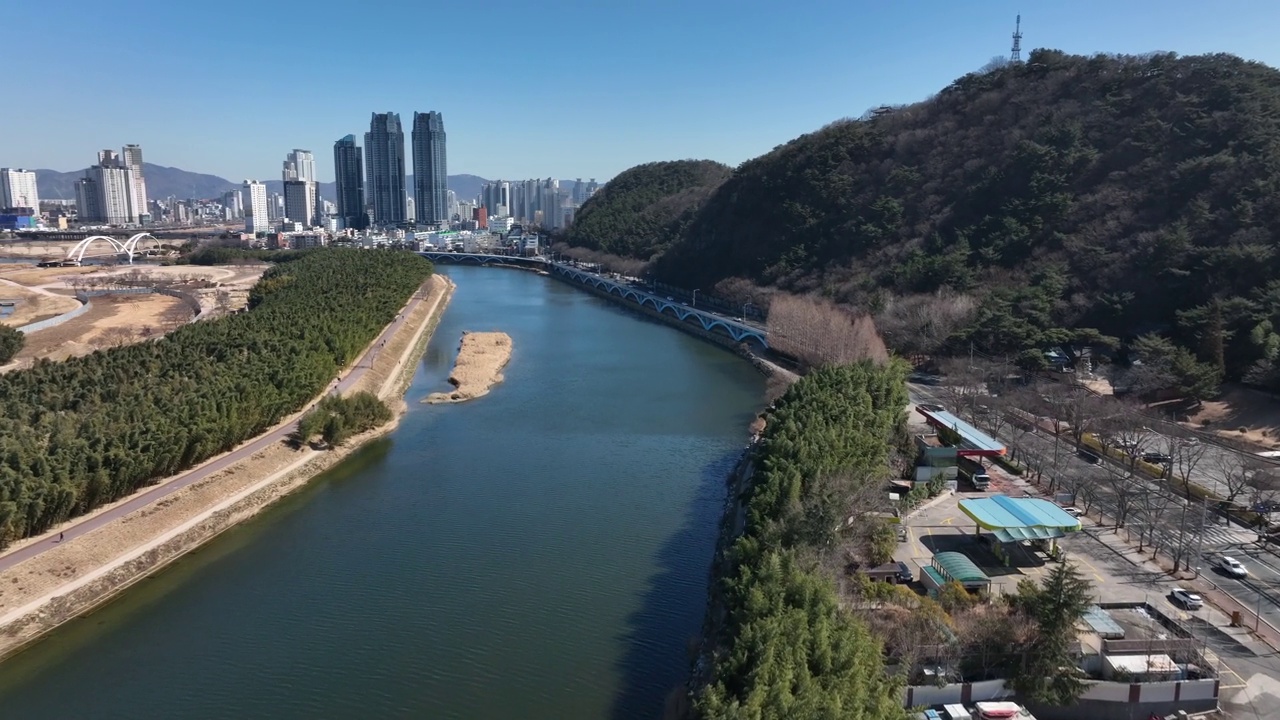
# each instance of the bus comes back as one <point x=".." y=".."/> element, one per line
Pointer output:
<point x="972" y="470"/>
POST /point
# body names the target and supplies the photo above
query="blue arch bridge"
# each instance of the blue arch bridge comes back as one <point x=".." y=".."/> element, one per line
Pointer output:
<point x="711" y="322"/>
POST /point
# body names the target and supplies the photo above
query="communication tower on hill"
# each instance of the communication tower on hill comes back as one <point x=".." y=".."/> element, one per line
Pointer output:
<point x="1016" y="54"/>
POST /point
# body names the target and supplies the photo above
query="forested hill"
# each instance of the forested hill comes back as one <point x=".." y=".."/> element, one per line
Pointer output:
<point x="1126" y="194"/>
<point x="640" y="212"/>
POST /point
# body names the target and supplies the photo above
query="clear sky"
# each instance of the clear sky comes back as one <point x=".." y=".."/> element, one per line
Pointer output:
<point x="553" y="88"/>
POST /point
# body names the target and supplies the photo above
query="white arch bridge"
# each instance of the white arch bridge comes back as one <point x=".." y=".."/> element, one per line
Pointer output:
<point x="128" y="248"/>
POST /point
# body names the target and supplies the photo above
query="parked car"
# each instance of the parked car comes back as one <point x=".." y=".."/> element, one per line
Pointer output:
<point x="1232" y="567"/>
<point x="1186" y="598"/>
<point x="904" y="573"/>
<point x="1156" y="458"/>
<point x="1089" y="457"/>
<point x="1073" y="511"/>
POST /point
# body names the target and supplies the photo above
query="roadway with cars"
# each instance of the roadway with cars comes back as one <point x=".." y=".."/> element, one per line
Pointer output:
<point x="1260" y="591"/>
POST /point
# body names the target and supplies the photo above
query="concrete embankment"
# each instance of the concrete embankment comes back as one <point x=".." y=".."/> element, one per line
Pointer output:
<point x="70" y="578"/>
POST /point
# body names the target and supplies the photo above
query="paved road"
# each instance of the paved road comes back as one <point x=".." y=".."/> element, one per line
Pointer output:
<point x="201" y="472"/>
<point x="1213" y="538"/>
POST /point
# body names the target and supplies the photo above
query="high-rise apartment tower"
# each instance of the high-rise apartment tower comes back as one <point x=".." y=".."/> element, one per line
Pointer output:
<point x="349" y="169"/>
<point x="430" y="171"/>
<point x="384" y="169"/>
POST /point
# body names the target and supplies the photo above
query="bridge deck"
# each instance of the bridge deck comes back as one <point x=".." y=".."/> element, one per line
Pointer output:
<point x="710" y="322"/>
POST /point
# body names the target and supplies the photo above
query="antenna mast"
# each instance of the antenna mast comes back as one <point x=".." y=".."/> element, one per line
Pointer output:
<point x="1016" y="54"/>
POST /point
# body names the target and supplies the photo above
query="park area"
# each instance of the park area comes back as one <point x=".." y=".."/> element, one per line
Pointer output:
<point x="122" y="309"/>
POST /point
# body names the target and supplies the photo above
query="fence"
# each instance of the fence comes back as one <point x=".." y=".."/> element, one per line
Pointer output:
<point x="1103" y="700"/>
<point x="190" y="300"/>
<point x="57" y="320"/>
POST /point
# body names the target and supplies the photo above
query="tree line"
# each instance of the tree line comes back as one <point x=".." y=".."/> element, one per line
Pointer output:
<point x="788" y="648"/>
<point x="92" y="429"/>
<point x="12" y="341"/>
<point x="336" y="418"/>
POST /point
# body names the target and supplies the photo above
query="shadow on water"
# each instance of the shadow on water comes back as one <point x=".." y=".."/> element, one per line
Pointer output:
<point x="661" y="633"/>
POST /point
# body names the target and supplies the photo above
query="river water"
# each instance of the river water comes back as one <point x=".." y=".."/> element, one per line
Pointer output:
<point x="541" y="552"/>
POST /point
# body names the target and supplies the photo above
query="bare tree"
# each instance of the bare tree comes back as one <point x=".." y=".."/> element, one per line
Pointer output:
<point x="1125" y="496"/>
<point x="1185" y="456"/>
<point x="1265" y="497"/>
<point x="921" y="324"/>
<point x="1085" y="488"/>
<point x="1237" y="471"/>
<point x="965" y="383"/>
<point x="1192" y="520"/>
<point x="1127" y="429"/>
<point x="817" y="332"/>
<point x="224" y="303"/>
<point x="1152" y="505"/>
<point x="1083" y="412"/>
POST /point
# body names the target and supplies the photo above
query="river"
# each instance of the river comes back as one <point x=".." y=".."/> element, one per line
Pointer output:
<point x="541" y="552"/>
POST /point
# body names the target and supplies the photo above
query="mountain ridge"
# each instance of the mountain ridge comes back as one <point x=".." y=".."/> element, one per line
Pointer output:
<point x="1106" y="200"/>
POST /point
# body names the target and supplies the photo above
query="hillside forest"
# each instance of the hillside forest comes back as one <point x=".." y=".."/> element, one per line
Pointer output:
<point x="80" y="433"/>
<point x="1130" y="203"/>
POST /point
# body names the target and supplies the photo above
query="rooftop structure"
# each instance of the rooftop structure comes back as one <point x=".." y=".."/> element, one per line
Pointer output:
<point x="958" y="567"/>
<point x="969" y="441"/>
<point x="1014" y="519"/>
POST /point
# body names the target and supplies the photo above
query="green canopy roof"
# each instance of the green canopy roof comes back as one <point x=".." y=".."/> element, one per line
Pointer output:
<point x="958" y="567"/>
<point x="1015" y="534"/>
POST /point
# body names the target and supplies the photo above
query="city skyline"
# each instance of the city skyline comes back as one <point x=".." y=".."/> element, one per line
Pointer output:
<point x="657" y="91"/>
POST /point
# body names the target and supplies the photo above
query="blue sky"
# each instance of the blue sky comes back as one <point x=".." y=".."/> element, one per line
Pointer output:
<point x="559" y="88"/>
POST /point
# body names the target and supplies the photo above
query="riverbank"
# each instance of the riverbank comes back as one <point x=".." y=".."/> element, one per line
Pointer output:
<point x="54" y="586"/>
<point x="481" y="358"/>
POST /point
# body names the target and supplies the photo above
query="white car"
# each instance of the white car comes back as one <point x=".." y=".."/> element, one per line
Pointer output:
<point x="1232" y="567"/>
<point x="1073" y="511"/>
<point x="1186" y="599"/>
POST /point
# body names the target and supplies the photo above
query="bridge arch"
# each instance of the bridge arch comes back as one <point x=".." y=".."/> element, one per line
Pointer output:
<point x="132" y="244"/>
<point x="77" y="250"/>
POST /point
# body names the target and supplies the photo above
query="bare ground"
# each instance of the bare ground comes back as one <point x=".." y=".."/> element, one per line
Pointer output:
<point x="481" y="358"/>
<point x="33" y="306"/>
<point x="56" y="585"/>
<point x="1238" y="408"/>
<point x="35" y="277"/>
<point x="112" y="320"/>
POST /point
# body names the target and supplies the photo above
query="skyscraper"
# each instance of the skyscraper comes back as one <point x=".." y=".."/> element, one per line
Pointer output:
<point x="300" y="202"/>
<point x="384" y="163"/>
<point x="232" y="205"/>
<point x="430" y="172"/>
<point x="112" y="189"/>
<point x="133" y="161"/>
<point x="349" y="168"/>
<point x="87" y="199"/>
<point x="301" y="196"/>
<point x="255" y="207"/>
<point x="299" y="165"/>
<point x="18" y="189"/>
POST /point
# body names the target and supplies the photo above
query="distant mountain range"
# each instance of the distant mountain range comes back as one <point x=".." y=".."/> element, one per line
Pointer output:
<point x="165" y="181"/>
